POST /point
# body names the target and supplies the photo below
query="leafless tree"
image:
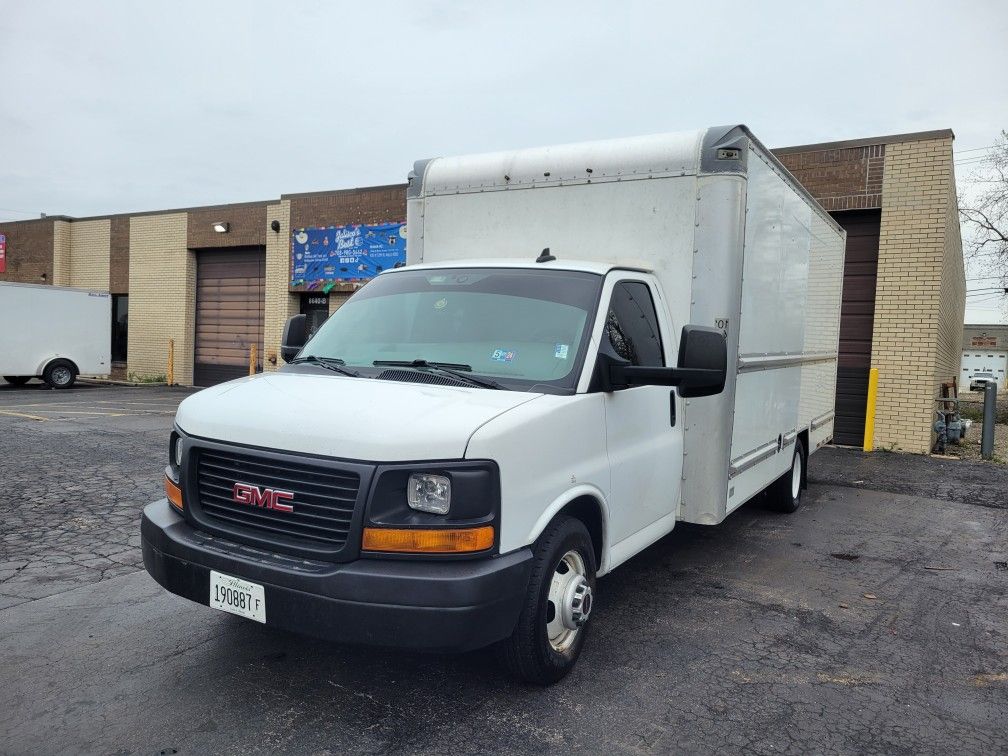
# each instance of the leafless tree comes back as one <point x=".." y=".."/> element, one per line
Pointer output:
<point x="985" y="211"/>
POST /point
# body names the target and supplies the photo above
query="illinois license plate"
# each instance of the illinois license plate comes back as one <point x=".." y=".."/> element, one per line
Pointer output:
<point x="231" y="594"/>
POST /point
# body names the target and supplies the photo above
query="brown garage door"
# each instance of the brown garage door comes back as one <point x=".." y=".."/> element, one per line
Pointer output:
<point x="230" y="301"/>
<point x="856" y="316"/>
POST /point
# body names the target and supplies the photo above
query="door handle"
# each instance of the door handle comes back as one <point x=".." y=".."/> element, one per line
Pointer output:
<point x="672" y="408"/>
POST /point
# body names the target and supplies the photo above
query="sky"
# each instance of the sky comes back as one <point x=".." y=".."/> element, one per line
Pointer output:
<point x="110" y="107"/>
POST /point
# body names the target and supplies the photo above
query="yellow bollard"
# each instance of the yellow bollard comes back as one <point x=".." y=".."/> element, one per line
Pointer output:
<point x="171" y="362"/>
<point x="252" y="359"/>
<point x="869" y="421"/>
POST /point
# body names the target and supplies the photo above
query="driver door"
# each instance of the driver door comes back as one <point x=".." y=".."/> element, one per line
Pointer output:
<point x="644" y="440"/>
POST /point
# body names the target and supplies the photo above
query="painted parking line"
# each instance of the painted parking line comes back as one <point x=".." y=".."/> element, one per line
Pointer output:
<point x="24" y="414"/>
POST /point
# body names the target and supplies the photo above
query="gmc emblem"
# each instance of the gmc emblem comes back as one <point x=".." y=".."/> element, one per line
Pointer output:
<point x="267" y="498"/>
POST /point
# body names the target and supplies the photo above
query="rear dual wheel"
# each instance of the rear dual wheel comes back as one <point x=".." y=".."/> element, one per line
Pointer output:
<point x="784" y="495"/>
<point x="553" y="623"/>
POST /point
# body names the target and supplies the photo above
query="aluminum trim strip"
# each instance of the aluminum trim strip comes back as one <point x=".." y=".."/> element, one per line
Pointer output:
<point x="820" y="421"/>
<point x="743" y="462"/>
<point x="747" y="362"/>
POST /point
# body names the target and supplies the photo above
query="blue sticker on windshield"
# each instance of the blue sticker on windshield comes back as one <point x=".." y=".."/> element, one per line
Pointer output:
<point x="502" y="355"/>
<point x="561" y="351"/>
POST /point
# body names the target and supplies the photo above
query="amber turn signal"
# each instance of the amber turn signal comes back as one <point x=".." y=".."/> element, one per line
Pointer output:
<point x="173" y="492"/>
<point x="423" y="541"/>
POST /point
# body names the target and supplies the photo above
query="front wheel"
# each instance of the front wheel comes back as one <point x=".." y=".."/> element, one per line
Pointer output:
<point x="551" y="628"/>
<point x="785" y="493"/>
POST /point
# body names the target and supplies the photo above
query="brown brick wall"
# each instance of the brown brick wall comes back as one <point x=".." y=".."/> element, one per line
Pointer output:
<point x="248" y="226"/>
<point x="847" y="178"/>
<point x="29" y="251"/>
<point x="119" y="238"/>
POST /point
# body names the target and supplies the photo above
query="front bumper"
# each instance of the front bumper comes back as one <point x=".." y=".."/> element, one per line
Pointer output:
<point x="445" y="606"/>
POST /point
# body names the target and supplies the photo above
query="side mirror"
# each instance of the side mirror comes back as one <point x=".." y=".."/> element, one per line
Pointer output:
<point x="294" y="337"/>
<point x="702" y="368"/>
<point x="703" y="361"/>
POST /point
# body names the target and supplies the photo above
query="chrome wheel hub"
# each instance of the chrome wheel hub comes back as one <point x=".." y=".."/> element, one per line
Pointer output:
<point x="61" y="375"/>
<point x="569" y="602"/>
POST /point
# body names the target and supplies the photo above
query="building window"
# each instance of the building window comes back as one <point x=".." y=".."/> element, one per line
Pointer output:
<point x="120" y="319"/>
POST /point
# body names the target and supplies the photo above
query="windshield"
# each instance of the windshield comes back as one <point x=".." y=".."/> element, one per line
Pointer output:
<point x="523" y="329"/>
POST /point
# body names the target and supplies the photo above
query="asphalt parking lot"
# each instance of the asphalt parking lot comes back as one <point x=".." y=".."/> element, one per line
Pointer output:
<point x="871" y="621"/>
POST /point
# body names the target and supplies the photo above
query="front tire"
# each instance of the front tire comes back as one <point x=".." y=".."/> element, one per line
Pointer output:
<point x="552" y="626"/>
<point x="60" y="374"/>
<point x="785" y="494"/>
<point x="17" y="380"/>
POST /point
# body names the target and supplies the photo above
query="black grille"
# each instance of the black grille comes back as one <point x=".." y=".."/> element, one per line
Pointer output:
<point x="323" y="500"/>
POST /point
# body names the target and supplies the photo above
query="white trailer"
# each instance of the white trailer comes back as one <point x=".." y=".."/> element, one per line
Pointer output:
<point x="589" y="343"/>
<point x="54" y="333"/>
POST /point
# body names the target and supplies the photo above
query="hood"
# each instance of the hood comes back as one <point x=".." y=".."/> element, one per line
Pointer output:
<point x="351" y="418"/>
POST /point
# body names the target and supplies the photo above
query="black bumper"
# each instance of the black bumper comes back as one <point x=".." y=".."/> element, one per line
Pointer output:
<point x="434" y="606"/>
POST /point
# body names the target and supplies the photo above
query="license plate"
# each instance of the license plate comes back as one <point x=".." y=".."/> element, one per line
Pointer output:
<point x="231" y="594"/>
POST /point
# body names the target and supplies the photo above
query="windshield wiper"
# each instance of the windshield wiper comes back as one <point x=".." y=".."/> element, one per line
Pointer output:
<point x="447" y="368"/>
<point x="330" y="363"/>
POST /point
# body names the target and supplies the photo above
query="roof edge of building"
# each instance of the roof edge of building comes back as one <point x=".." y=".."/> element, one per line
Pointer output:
<point x="916" y="136"/>
<point x="318" y="193"/>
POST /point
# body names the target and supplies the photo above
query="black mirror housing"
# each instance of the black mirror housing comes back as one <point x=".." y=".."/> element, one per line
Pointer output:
<point x="702" y="369"/>
<point x="295" y="334"/>
<point x="703" y="355"/>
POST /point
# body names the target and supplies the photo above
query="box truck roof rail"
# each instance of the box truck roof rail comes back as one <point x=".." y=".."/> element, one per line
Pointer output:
<point x="718" y="149"/>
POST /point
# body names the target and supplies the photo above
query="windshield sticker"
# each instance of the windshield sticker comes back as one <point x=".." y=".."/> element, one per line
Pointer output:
<point x="502" y="355"/>
<point x="561" y="351"/>
<point x="441" y="304"/>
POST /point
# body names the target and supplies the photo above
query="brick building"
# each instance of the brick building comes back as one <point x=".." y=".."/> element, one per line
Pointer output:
<point x="218" y="291"/>
<point x="904" y="283"/>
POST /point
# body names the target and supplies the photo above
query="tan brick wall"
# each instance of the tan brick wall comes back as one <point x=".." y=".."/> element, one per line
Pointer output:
<point x="337" y="298"/>
<point x="61" y="253"/>
<point x="162" y="276"/>
<point x="89" y="254"/>
<point x="280" y="303"/>
<point x="920" y="291"/>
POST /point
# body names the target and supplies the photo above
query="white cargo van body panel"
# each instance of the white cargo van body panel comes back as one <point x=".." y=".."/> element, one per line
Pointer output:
<point x="734" y="242"/>
<point x="787" y="354"/>
<point x="41" y="323"/>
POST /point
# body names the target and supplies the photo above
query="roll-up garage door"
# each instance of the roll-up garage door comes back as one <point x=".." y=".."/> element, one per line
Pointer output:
<point x="230" y="302"/>
<point x="857" y="314"/>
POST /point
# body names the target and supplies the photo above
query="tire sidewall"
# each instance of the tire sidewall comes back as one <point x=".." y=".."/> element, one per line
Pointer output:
<point x="799" y="459"/>
<point x="573" y="537"/>
<point x="52" y="367"/>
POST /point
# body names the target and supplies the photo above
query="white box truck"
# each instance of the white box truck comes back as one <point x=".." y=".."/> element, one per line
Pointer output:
<point x="54" y="333"/>
<point x="590" y="343"/>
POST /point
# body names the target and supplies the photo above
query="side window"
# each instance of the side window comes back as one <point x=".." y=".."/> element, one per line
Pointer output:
<point x="632" y="325"/>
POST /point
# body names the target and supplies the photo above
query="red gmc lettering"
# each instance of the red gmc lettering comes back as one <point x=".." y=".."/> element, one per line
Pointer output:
<point x="266" y="498"/>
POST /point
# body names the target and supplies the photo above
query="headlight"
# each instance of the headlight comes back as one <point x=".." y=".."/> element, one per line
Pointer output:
<point x="177" y="452"/>
<point x="429" y="493"/>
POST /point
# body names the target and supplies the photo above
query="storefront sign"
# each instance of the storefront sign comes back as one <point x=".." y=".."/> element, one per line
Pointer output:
<point x="3" y="253"/>
<point x="983" y="341"/>
<point x="321" y="257"/>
